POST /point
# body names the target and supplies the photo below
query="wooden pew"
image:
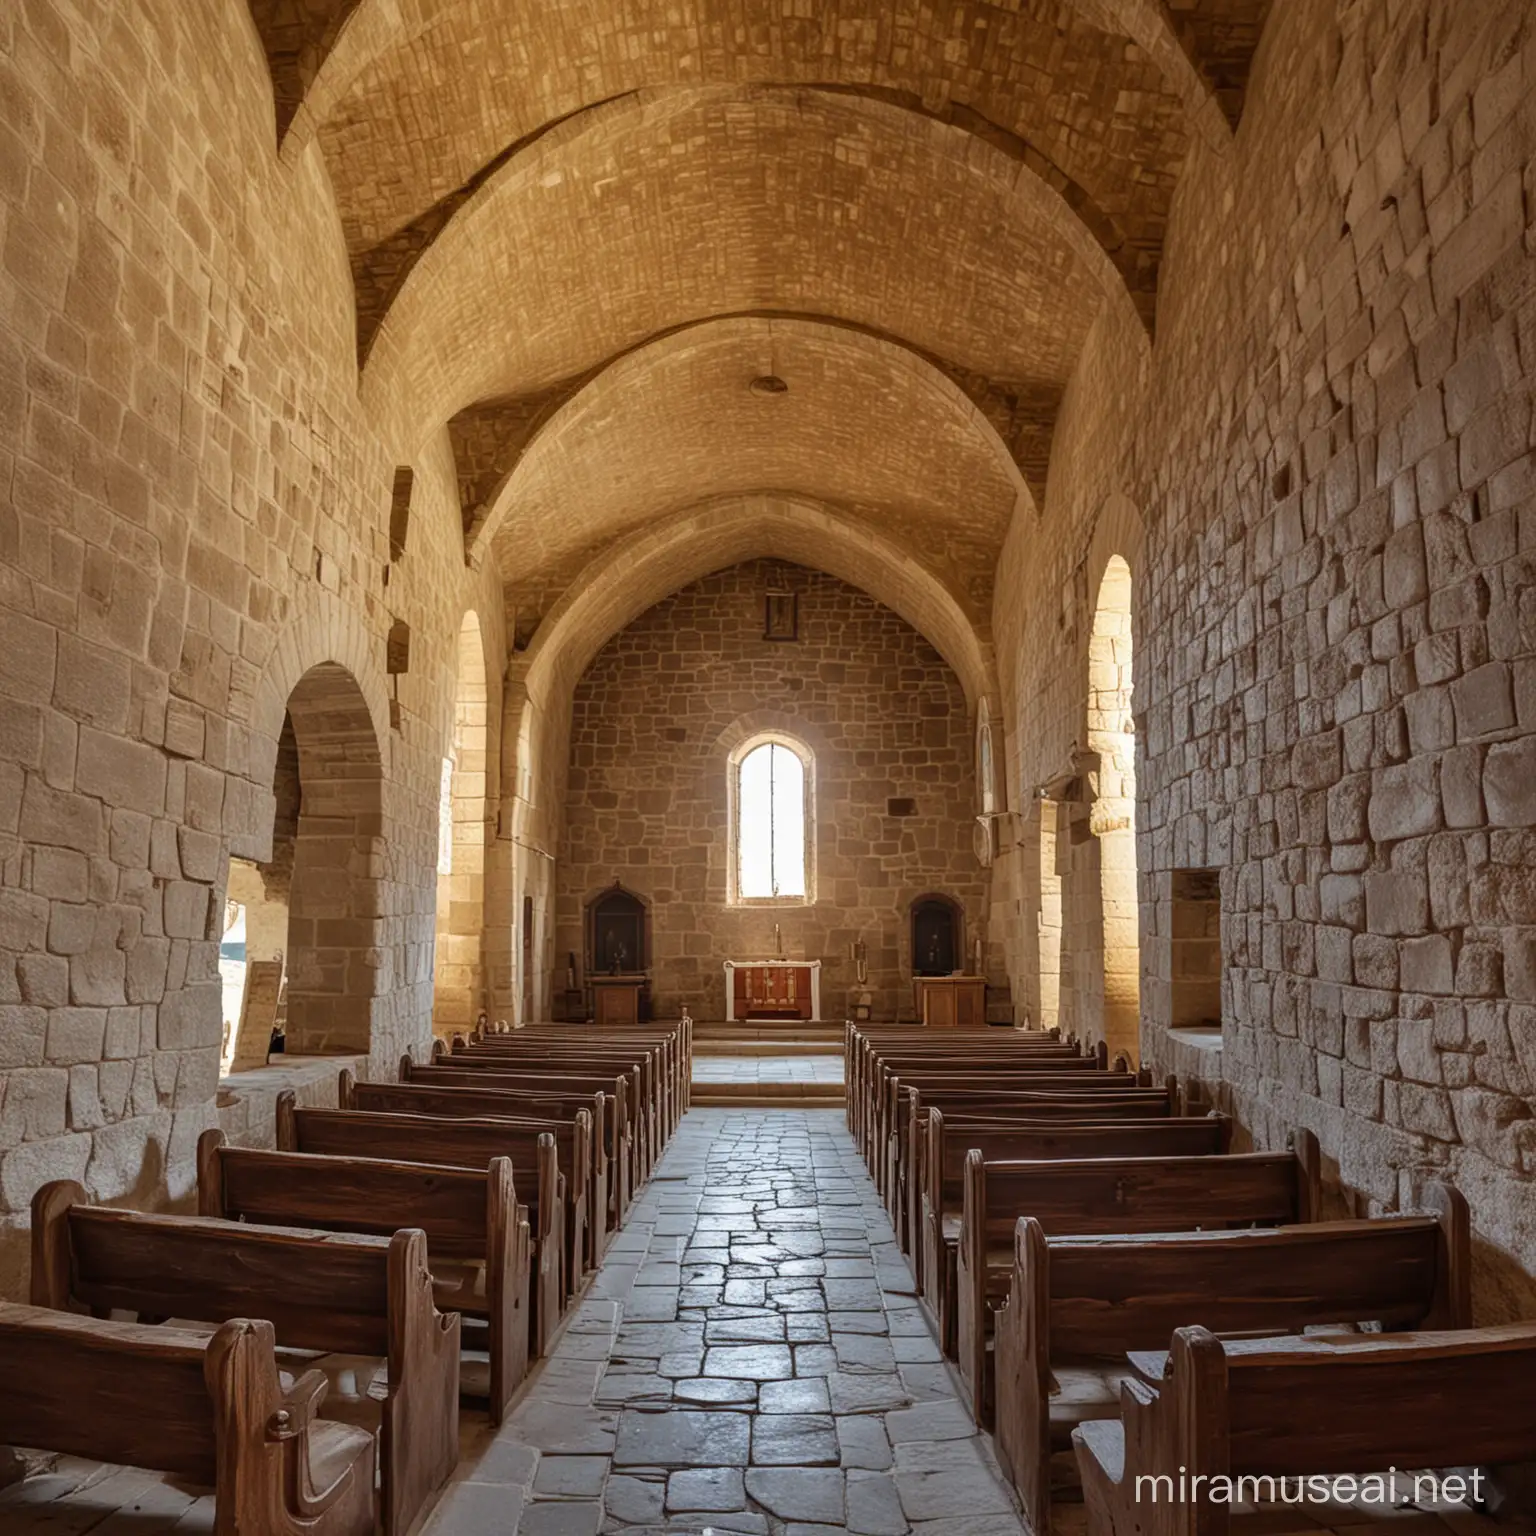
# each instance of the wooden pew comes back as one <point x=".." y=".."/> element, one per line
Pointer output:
<point x="943" y="1194"/>
<point x="1077" y="1305"/>
<point x="906" y="1148"/>
<point x="453" y="1141"/>
<point x="1319" y="1406"/>
<point x="866" y="1050"/>
<point x="612" y="1148"/>
<point x="863" y="1051"/>
<point x="468" y="1216"/>
<point x="1011" y="1077"/>
<point x="655" y="1086"/>
<point x="1109" y="1195"/>
<point x="622" y="1085"/>
<point x="892" y="1075"/>
<point x="655" y="1060"/>
<point x="318" y="1291"/>
<point x="207" y="1408"/>
<point x="458" y="1141"/>
<point x="674" y="1038"/>
<point x="673" y="1057"/>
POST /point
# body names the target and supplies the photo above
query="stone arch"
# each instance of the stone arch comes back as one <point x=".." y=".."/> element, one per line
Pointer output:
<point x="458" y="990"/>
<point x="480" y="274"/>
<point x="335" y="914"/>
<point x="329" y="631"/>
<point x="363" y="32"/>
<point x="637" y="417"/>
<point x="638" y="571"/>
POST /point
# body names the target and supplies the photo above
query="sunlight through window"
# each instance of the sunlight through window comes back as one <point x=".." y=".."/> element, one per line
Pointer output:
<point x="770" y="833"/>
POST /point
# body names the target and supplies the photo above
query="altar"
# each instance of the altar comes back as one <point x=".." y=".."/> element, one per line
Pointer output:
<point x="772" y="989"/>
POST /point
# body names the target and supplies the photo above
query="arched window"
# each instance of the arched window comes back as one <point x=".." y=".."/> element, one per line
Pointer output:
<point x="771" y="821"/>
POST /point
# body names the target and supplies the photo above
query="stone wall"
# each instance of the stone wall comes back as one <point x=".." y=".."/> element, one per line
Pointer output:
<point x="194" y="517"/>
<point x="655" y="718"/>
<point x="1322" y="479"/>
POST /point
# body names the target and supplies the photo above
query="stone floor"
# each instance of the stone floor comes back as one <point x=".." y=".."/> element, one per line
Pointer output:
<point x="768" y="1069"/>
<point x="751" y="1358"/>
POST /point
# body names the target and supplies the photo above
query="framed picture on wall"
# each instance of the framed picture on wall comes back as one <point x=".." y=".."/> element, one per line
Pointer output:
<point x="781" y="616"/>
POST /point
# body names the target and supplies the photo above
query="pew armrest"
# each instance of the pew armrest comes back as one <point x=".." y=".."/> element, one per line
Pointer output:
<point x="296" y="1414"/>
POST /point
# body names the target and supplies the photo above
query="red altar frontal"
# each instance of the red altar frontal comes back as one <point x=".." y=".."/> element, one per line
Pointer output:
<point x="772" y="989"/>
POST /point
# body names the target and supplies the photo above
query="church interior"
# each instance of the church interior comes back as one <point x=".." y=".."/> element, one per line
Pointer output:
<point x="767" y="766"/>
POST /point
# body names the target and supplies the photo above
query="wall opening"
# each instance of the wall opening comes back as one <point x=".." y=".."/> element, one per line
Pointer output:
<point x="252" y="953"/>
<point x="938" y="947"/>
<point x="616" y="938"/>
<point x="335" y="908"/>
<point x="772" y="821"/>
<point x="1048" y="919"/>
<point x="1194" y="945"/>
<point x="1113" y="816"/>
<point x="527" y="1013"/>
<point x="458" y="973"/>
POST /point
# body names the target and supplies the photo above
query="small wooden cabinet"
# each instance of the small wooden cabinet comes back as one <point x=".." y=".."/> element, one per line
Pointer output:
<point x="618" y="1001"/>
<point x="950" y="1002"/>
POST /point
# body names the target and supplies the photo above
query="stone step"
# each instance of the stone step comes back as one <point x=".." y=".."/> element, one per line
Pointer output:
<point x="767" y="1095"/>
<point x="752" y="1048"/>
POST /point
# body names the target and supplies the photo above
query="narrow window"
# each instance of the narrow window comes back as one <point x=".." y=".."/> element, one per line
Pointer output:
<point x="771" y="824"/>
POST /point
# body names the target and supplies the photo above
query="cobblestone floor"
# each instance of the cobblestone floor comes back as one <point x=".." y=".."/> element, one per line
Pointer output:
<point x="749" y="1359"/>
<point x="768" y="1069"/>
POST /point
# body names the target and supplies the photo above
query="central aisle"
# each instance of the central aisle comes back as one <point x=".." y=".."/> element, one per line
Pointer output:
<point x="750" y="1358"/>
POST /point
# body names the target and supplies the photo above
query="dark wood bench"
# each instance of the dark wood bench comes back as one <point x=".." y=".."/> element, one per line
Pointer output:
<point x="471" y="1219"/>
<point x="319" y="1291"/>
<point x="1318" y="1406"/>
<point x="673" y="1040"/>
<point x="584" y="1189"/>
<point x="665" y="1047"/>
<point x="943" y="1194"/>
<point x="906" y="1148"/>
<point x="1108" y="1195"/>
<point x="207" y="1408"/>
<point x="863" y="1050"/>
<point x="612" y="1150"/>
<point x="457" y="1141"/>
<point x="1077" y="1305"/>
<point x="896" y="1081"/>
<point x="652" y="1099"/>
<point x="542" y="1082"/>
<point x="894" y="1074"/>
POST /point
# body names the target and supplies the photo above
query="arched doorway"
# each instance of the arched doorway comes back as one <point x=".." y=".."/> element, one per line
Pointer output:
<point x="938" y="946"/>
<point x="335" y="917"/>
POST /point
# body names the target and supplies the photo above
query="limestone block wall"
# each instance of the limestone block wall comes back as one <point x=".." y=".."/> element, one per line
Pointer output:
<point x="654" y="720"/>
<point x="194" y="517"/>
<point x="1321" y="477"/>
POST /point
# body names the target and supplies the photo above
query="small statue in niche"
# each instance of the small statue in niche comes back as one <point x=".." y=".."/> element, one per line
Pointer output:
<point x="933" y="954"/>
<point x="617" y="955"/>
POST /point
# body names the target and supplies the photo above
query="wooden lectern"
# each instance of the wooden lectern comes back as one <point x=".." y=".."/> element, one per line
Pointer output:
<point x="619" y="1001"/>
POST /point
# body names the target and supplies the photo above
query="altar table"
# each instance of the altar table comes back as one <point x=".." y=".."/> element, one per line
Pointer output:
<point x="772" y="989"/>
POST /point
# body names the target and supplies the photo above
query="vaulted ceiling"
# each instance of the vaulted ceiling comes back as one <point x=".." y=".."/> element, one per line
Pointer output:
<point x="582" y="234"/>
